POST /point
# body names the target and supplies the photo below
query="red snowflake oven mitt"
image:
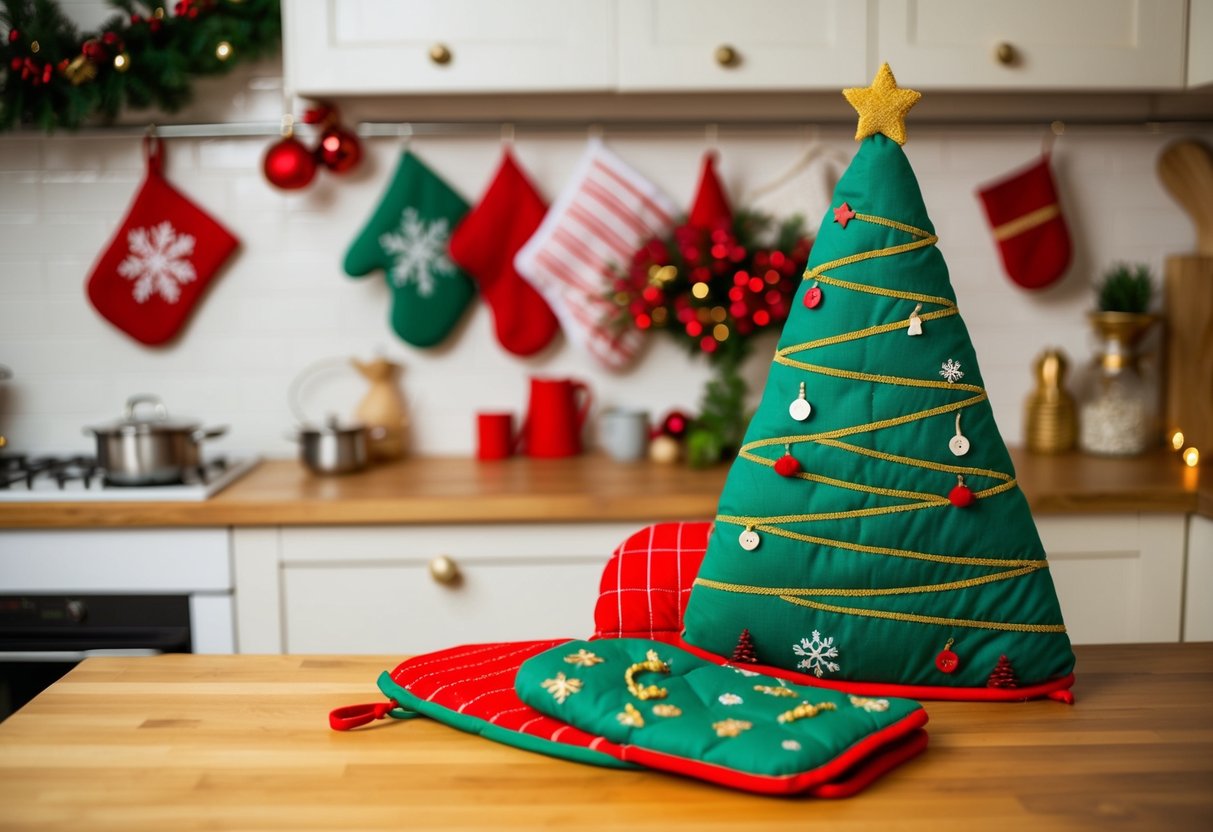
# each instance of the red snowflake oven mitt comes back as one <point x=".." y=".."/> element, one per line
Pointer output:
<point x="159" y="263"/>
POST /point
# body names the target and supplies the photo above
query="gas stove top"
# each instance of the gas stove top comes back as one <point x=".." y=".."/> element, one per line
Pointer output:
<point x="42" y="479"/>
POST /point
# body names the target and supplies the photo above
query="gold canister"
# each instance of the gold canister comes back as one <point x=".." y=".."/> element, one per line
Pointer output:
<point x="1051" y="424"/>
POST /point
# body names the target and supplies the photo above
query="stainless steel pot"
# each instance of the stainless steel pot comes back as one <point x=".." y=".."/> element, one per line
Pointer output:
<point x="149" y="450"/>
<point x="333" y="449"/>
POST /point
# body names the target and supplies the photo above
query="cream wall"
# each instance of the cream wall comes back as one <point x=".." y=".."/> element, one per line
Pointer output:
<point x="284" y="303"/>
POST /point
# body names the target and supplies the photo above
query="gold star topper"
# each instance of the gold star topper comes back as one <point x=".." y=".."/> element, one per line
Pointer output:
<point x="882" y="107"/>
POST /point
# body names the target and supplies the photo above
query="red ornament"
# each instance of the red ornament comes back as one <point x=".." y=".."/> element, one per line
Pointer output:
<point x="947" y="661"/>
<point x="340" y="150"/>
<point x="787" y="466"/>
<point x="13" y="35"/>
<point x="675" y="424"/>
<point x="288" y="164"/>
<point x="961" y="496"/>
<point x="812" y="298"/>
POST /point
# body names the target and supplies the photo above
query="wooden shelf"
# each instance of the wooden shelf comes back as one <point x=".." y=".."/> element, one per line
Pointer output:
<point x="588" y="489"/>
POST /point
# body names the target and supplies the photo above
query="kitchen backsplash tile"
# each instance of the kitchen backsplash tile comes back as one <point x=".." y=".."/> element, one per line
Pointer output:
<point x="284" y="302"/>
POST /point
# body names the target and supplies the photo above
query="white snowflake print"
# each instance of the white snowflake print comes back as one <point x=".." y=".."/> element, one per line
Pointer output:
<point x="951" y="371"/>
<point x="158" y="261"/>
<point x="729" y="699"/>
<point x="817" y="652"/>
<point x="870" y="705"/>
<point x="583" y="658"/>
<point x="561" y="688"/>
<point x="418" y="249"/>
<point x="790" y="745"/>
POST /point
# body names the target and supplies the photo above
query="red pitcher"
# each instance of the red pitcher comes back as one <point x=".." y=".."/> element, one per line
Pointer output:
<point x="554" y="418"/>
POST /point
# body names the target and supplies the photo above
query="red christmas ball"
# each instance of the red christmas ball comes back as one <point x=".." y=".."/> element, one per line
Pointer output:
<point x="812" y="298"/>
<point x="288" y="164"/>
<point x="675" y="424"/>
<point x="787" y="466"/>
<point x="13" y="35"/>
<point x="961" y="496"/>
<point x="947" y="661"/>
<point x="340" y="150"/>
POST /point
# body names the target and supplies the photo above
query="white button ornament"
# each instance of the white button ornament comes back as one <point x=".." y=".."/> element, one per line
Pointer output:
<point x="749" y="540"/>
<point x="800" y="409"/>
<point x="958" y="444"/>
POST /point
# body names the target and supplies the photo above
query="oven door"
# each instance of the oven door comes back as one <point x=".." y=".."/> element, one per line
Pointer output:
<point x="42" y="637"/>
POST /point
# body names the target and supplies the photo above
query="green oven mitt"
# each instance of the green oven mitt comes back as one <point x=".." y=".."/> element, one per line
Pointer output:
<point x="667" y="709"/>
<point x="407" y="237"/>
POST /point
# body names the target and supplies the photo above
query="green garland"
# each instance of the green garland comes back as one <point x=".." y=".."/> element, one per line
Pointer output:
<point x="53" y="77"/>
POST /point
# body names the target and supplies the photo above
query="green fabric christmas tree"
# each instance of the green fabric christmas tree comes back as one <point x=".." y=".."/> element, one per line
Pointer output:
<point x="871" y="529"/>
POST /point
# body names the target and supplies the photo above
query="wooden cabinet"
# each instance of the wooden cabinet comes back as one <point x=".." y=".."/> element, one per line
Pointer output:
<point x="1034" y="44"/>
<point x="371" y="47"/>
<point x="718" y="44"/>
<point x="368" y="589"/>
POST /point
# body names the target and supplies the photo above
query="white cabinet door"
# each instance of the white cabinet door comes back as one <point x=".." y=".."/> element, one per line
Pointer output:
<point x="1119" y="577"/>
<point x="1072" y="44"/>
<point x="776" y="44"/>
<point x="421" y="46"/>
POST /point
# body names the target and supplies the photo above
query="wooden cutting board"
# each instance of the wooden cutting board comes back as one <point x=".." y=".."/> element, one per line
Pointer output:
<point x="1189" y="309"/>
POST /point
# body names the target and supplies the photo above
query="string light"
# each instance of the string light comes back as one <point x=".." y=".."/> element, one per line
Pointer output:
<point x="1177" y="439"/>
<point x="1191" y="457"/>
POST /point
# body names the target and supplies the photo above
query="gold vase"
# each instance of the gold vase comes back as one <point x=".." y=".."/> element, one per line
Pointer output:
<point x="1052" y="422"/>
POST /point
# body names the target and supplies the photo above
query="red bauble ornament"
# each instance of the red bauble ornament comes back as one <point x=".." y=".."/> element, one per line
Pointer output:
<point x="961" y="496"/>
<point x="812" y="298"/>
<point x="288" y="164"/>
<point x="340" y="150"/>
<point x="947" y="661"/>
<point x="675" y="424"/>
<point x="787" y="466"/>
<point x="13" y="35"/>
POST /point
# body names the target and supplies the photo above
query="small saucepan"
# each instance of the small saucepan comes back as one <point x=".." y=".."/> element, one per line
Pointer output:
<point x="333" y="448"/>
<point x="143" y="449"/>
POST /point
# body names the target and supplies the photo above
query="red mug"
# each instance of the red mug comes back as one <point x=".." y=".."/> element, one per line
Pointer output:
<point x="554" y="418"/>
<point x="494" y="435"/>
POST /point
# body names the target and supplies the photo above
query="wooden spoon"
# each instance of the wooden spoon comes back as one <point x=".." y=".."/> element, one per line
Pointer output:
<point x="1186" y="171"/>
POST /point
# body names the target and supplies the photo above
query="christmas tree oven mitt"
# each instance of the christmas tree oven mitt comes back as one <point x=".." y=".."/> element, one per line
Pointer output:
<point x="407" y="237"/>
<point x="159" y="263"/>
<point x="471" y="688"/>
<point x="668" y="710"/>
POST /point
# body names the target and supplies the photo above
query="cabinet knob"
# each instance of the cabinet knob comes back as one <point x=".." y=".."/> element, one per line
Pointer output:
<point x="1005" y="54"/>
<point x="440" y="54"/>
<point x="727" y="56"/>
<point x="444" y="570"/>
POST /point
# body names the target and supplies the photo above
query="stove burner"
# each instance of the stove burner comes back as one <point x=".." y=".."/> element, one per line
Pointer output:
<point x="23" y="472"/>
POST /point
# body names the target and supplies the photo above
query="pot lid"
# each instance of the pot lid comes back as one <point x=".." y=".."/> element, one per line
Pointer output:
<point x="146" y="420"/>
<point x="331" y="426"/>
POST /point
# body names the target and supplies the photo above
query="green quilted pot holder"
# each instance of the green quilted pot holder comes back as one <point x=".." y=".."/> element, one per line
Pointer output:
<point x="669" y="710"/>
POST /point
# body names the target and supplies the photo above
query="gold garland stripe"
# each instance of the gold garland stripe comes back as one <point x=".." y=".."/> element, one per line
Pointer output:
<point x="916" y="463"/>
<point x="880" y="290"/>
<point x="864" y="333"/>
<point x="866" y="428"/>
<point x="876" y="550"/>
<point x="900" y="226"/>
<point x="854" y="486"/>
<point x="842" y="592"/>
<point x="900" y="381"/>
<point x="928" y="619"/>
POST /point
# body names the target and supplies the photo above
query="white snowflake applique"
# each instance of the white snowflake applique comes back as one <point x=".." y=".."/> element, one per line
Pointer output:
<point x="561" y="687"/>
<point x="950" y="370"/>
<point x="418" y="251"/>
<point x="158" y="261"/>
<point x="817" y="652"/>
<point x="729" y="699"/>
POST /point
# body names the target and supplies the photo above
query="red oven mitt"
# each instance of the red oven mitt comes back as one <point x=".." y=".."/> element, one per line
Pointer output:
<point x="1026" y="220"/>
<point x="159" y="263"/>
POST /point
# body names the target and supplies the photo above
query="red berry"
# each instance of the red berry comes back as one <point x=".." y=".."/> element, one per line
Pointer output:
<point x="787" y="466"/>
<point x="961" y="496"/>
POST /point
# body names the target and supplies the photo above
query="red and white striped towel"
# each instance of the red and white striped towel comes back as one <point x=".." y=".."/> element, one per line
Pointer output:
<point x="604" y="214"/>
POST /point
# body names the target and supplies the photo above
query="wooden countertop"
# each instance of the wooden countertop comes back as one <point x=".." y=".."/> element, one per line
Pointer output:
<point x="242" y="742"/>
<point x="579" y="489"/>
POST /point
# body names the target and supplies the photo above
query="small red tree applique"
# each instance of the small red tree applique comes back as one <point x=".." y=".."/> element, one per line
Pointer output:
<point x="744" y="651"/>
<point x="1003" y="675"/>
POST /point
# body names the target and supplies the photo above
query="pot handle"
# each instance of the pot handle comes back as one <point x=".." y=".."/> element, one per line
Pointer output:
<point x="208" y="433"/>
<point x="145" y="398"/>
